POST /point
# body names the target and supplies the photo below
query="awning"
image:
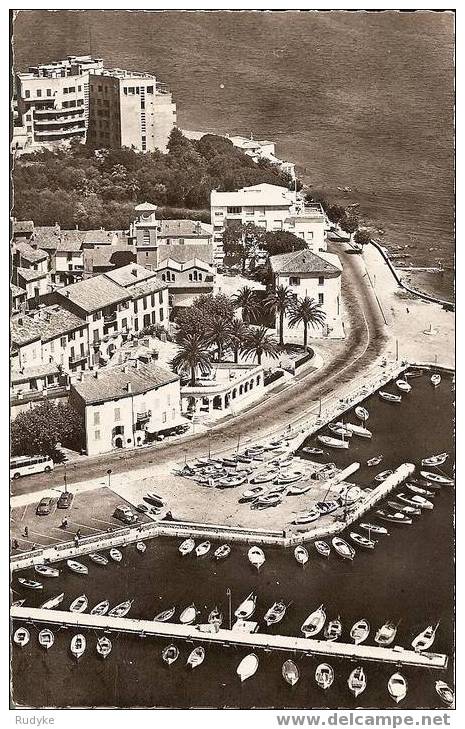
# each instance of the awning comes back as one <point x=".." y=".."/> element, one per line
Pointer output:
<point x="180" y="420"/>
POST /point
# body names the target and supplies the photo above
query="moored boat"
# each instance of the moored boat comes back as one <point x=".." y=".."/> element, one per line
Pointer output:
<point x="222" y="552"/>
<point x="418" y="490"/>
<point x="342" y="548"/>
<point x="313" y="451"/>
<point x="53" y="602"/>
<point x="326" y="507"/>
<point x="79" y="604"/>
<point x="256" y="556"/>
<point x="408" y="510"/>
<point x="359" y="430"/>
<point x="247" y="607"/>
<point x="202" y="549"/>
<point x="276" y="613"/>
<point x="314" y="623"/>
<point x="165" y="615"/>
<point x="375" y="528"/>
<point x="78" y="645"/>
<point x="362" y="541"/>
<point x="322" y="548"/>
<point x="121" y="610"/>
<point x="324" y="675"/>
<point x="288" y="477"/>
<point x="437" y="478"/>
<point x="290" y="672"/>
<point x="297" y="489"/>
<point x="375" y="461"/>
<point x="254" y="493"/>
<point x="394" y="518"/>
<point x="435" y="380"/>
<point x="260" y="478"/>
<point x="386" y="634"/>
<point x="403" y="385"/>
<point x="437" y="460"/>
<point x="170" y="654"/>
<point x="186" y="547"/>
<point x="360" y="631"/>
<point x="357" y="681"/>
<point x="267" y="501"/>
<point x="46" y="571"/>
<point x="383" y="475"/>
<point x="30" y="584"/>
<point x="425" y="639"/>
<point x="416" y="500"/>
<point x="333" y="442"/>
<point x="154" y="499"/>
<point x="389" y="397"/>
<point x="445" y="693"/>
<point x="413" y="373"/>
<point x="188" y="615"/>
<point x="362" y="413"/>
<point x="98" y="559"/>
<point x="397" y="687"/>
<point x="141" y="547"/>
<point x="301" y="554"/>
<point x="216" y="617"/>
<point x="116" y="555"/>
<point x="77" y="567"/>
<point x="21" y="636"/>
<point x="231" y="482"/>
<point x="247" y="667"/>
<point x="46" y="638"/>
<point x="333" y="630"/>
<point x="19" y="603"/>
<point x="196" y="657"/>
<point x="340" y="429"/>
<point x="104" y="646"/>
<point x="101" y="608"/>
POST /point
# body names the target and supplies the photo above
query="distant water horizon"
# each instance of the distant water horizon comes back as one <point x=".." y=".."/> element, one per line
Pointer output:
<point x="358" y="100"/>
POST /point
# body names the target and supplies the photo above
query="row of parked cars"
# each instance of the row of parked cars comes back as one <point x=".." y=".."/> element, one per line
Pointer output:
<point x="44" y="506"/>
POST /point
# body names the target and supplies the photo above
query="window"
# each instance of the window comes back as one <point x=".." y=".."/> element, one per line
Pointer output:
<point x="152" y="300"/>
<point x="95" y="336"/>
<point x="135" y="306"/>
<point x="145" y="302"/>
<point x="160" y="297"/>
<point x="163" y="417"/>
<point x="234" y="210"/>
<point x="29" y="128"/>
<point x="124" y="323"/>
<point x="173" y="414"/>
<point x="96" y="417"/>
<point x="149" y="89"/>
<point x="321" y="280"/>
<point x="79" y="88"/>
<point x="28" y="117"/>
<point x="161" y="315"/>
<point x="96" y="316"/>
<point x="294" y="280"/>
<point x="309" y="235"/>
<point x="52" y="346"/>
<point x="27" y="94"/>
<point x="218" y="214"/>
<point x="97" y="435"/>
<point x="321" y="298"/>
<point x="71" y="336"/>
<point x="82" y="349"/>
<point x="72" y="89"/>
<point x="117" y="414"/>
<point x="49" y="92"/>
<point x="39" y="93"/>
<point x="63" y="341"/>
<point x="181" y="241"/>
<point x="99" y="88"/>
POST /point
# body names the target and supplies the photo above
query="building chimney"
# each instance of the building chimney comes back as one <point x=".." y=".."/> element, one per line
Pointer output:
<point x="134" y="272"/>
<point x="96" y="374"/>
<point x="129" y="387"/>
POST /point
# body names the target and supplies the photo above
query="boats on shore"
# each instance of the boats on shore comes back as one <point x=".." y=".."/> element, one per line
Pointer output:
<point x="313" y="451"/>
<point x="276" y="613"/>
<point x="202" y="549"/>
<point x="186" y="547"/>
<point x="230" y="482"/>
<point x="290" y="672"/>
<point x="53" y="602"/>
<point x="222" y="552"/>
<point x="104" y="646"/>
<point x="79" y="604"/>
<point x="435" y="461"/>
<point x="322" y="548"/>
<point x="326" y="507"/>
<point x="357" y="681"/>
<point x="424" y="640"/>
<point x="121" y="610"/>
<point x="267" y="500"/>
<point x="288" y="477"/>
<point x="254" y="493"/>
<point x="246" y="608"/>
<point x="324" y="675"/>
<point x="342" y="548"/>
<point x="101" y="608"/>
<point x="314" y="623"/>
<point x="362" y="413"/>
<point x="397" y="687"/>
<point x="77" y="567"/>
<point x="296" y="489"/>
<point x="301" y="555"/>
<point x="98" y="559"/>
<point x="256" y="556"/>
<point x="394" y="518"/>
<point x="375" y="461"/>
<point x="333" y="630"/>
<point x="165" y="615"/>
<point x="247" y="667"/>
<point x="435" y="380"/>
<point x="403" y="385"/>
<point x="386" y="634"/>
<point x="188" y="615"/>
<point x="21" y="636"/>
<point x="30" y="584"/>
<point x="445" y="693"/>
<point x="306" y="517"/>
<point x="260" y="478"/>
<point x="78" y="645"/>
<point x="360" y="631"/>
<point x="362" y="541"/>
<point x="375" y="528"/>
<point x="46" y="571"/>
<point x="46" y="638"/>
<point x="389" y="397"/>
<point x="196" y="657"/>
<point x="170" y="654"/>
<point x="154" y="499"/>
<point x="333" y="442"/>
<point x="437" y="478"/>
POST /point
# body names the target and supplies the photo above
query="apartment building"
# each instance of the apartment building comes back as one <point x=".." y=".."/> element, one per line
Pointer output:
<point x="149" y="294"/>
<point x="188" y="272"/>
<point x="17" y="299"/>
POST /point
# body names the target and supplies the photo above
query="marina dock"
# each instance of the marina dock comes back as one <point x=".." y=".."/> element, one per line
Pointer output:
<point x="173" y="631"/>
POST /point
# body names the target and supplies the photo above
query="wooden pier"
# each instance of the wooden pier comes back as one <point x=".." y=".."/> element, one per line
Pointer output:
<point x="174" y="631"/>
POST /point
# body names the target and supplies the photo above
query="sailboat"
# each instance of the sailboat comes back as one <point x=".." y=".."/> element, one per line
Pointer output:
<point x="276" y="613"/>
<point x="21" y="637"/>
<point x="360" y="631"/>
<point x="247" y="607"/>
<point x="46" y="638"/>
<point x="301" y="555"/>
<point x="196" y="657"/>
<point x="397" y="687"/>
<point x="78" y="645"/>
<point x="314" y="623"/>
<point x="247" y="667"/>
<point x="290" y="672"/>
<point x="357" y="681"/>
<point x="104" y="646"/>
<point x="256" y="557"/>
<point x="425" y="639"/>
<point x="359" y="430"/>
<point x="333" y="442"/>
<point x="324" y="675"/>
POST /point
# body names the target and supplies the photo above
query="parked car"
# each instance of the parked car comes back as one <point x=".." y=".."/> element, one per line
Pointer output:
<point x="44" y="506"/>
<point x="65" y="500"/>
<point x="124" y="514"/>
<point x="143" y="508"/>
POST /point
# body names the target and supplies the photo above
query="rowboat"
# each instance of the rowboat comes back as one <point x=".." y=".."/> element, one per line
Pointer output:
<point x="78" y="645"/>
<point x="307" y="516"/>
<point x="362" y="413"/>
<point x="324" y="675"/>
<point x="383" y="475"/>
<point x="188" y="615"/>
<point x="418" y="501"/>
<point x="409" y="510"/>
<point x="79" y="604"/>
<point x="314" y="623"/>
<point x="21" y="637"/>
<point x="419" y="490"/>
<point x="435" y="380"/>
<point x="116" y="555"/>
<point x="374" y="528"/>
<point x="247" y="607"/>
<point x="203" y="548"/>
<point x="360" y="631"/>
<point x="357" y="681"/>
<point x="46" y="571"/>
<point x="342" y="548"/>
<point x="435" y="460"/>
<point x="413" y="373"/>
<point x="362" y="541"/>
<point x="141" y="547"/>
<point x="397" y="687"/>
<point x="165" y="615"/>
<point x="98" y="559"/>
<point x="326" y="507"/>
<point x="333" y="442"/>
<point x="276" y="613"/>
<point x="264" y="477"/>
<point x="425" y="639"/>
<point x="154" y="499"/>
<point x="121" y="610"/>
<point x="247" y="667"/>
<point x="333" y="630"/>
<point x="256" y="556"/>
<point x="215" y="617"/>
<point x="389" y="397"/>
<point x="78" y="567"/>
<point x="290" y="672"/>
<point x="386" y="634"/>
<point x="301" y="555"/>
<point x="289" y="477"/>
<point x="313" y="451"/>
<point x="375" y="461"/>
<point x="222" y="552"/>
<point x="359" y="430"/>
<point x="403" y="385"/>
<point x="437" y="478"/>
<point x="53" y="602"/>
<point x="46" y="638"/>
<point x="340" y="429"/>
<point x="186" y="546"/>
<point x="30" y="584"/>
<point x="268" y="500"/>
<point x="444" y="692"/>
<point x="170" y="654"/>
<point x="350" y="494"/>
<point x="104" y="646"/>
<point x="396" y="518"/>
<point x="196" y="657"/>
<point x="322" y="548"/>
<point x="101" y="608"/>
<point x="230" y="482"/>
<point x="254" y="493"/>
<point x="296" y="489"/>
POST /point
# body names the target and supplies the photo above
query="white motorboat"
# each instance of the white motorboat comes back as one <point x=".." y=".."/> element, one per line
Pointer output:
<point x="53" y="602"/>
<point x="416" y="500"/>
<point x="445" y="693"/>
<point x="78" y="645"/>
<point x="79" y="604"/>
<point x="46" y="571"/>
<point x="101" y="608"/>
<point x="46" y="638"/>
<point x="165" y="615"/>
<point x="314" y="623"/>
<point x="247" y="607"/>
<point x="104" y="646"/>
<point x="290" y="672"/>
<point x="435" y="461"/>
<point x="437" y="478"/>
<point x="326" y="507"/>
<point x="322" y="548"/>
<point x="256" y="556"/>
<point x="362" y="541"/>
<point x="360" y="631"/>
<point x="297" y="489"/>
<point x="288" y="477"/>
<point x="340" y="429"/>
<point x="357" y="681"/>
<point x="141" y="547"/>
<point x="342" y="548"/>
<point x="419" y="490"/>
<point x="394" y="518"/>
<point x="98" y="559"/>
<point x="333" y="442"/>
<point x="397" y="687"/>
<point x="359" y="430"/>
<point x="222" y="552"/>
<point x="77" y="567"/>
<point x="216" y="617"/>
<point x="383" y="475"/>
<point x="362" y="413"/>
<point x="375" y="461"/>
<point x="333" y="630"/>
<point x="306" y="517"/>
<point x="170" y="654"/>
<point x="196" y="657"/>
<point x="188" y="615"/>
<point x="121" y="610"/>
<point x="202" y="549"/>
<point x="435" y="380"/>
<point x="408" y="510"/>
<point x="301" y="554"/>
<point x="116" y="555"/>
<point x="403" y="385"/>
<point x="386" y="634"/>
<point x="324" y="675"/>
<point x="21" y="637"/>
<point x="268" y="500"/>
<point x="247" y="667"/>
<point x="276" y="613"/>
<point x="389" y="397"/>
<point x="375" y="528"/>
<point x="186" y="547"/>
<point x="30" y="584"/>
<point x="313" y="451"/>
<point x="425" y="639"/>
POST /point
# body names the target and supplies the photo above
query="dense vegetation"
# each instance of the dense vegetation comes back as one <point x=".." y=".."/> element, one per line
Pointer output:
<point x="38" y="431"/>
<point x="89" y="188"/>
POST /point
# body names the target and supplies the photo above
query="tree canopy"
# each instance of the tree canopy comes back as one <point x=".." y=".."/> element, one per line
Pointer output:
<point x="281" y="241"/>
<point x="38" y="431"/>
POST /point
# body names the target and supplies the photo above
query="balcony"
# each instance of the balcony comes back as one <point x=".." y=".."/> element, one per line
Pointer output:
<point x="59" y="112"/>
<point x="77" y="359"/>
<point x="60" y="132"/>
<point x="59" y="120"/>
<point x="110" y="318"/>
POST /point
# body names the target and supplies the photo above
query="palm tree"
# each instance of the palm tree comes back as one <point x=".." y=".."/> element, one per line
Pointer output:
<point x="258" y="342"/>
<point x="280" y="301"/>
<point x="193" y="353"/>
<point x="247" y="300"/>
<point x="306" y="311"/>
<point x="218" y="332"/>
<point x="238" y="333"/>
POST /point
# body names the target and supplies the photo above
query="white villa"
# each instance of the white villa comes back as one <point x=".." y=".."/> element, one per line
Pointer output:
<point x="228" y="387"/>
<point x="262" y="149"/>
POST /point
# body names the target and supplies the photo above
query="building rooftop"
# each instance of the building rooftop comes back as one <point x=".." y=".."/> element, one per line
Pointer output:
<point x="183" y="228"/>
<point x="304" y="262"/>
<point x="112" y="383"/>
<point x="149" y="286"/>
<point x="184" y="253"/>
<point x="54" y="321"/>
<point x="23" y="330"/>
<point x="30" y="254"/>
<point x="16" y="290"/>
<point x="104" y="256"/>
<point x="145" y="207"/>
<point x="55" y="239"/>
<point x="261" y="195"/>
<point x="133" y="273"/>
<point x="28" y="274"/>
<point x="93" y="294"/>
<point x="22" y="226"/>
<point x="29" y="373"/>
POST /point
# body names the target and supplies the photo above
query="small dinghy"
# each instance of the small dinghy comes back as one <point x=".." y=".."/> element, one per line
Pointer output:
<point x="30" y="584"/>
<point x="301" y="555"/>
<point x="46" y="571"/>
<point x="196" y="657"/>
<point x="306" y="517"/>
<point x="77" y="567"/>
<point x="362" y="413"/>
<point x="435" y="380"/>
<point x="215" y="617"/>
<point x="21" y="637"/>
<point x="276" y="613"/>
<point x="101" y="608"/>
<point x="362" y="541"/>
<point x="375" y="461"/>
<point x="435" y="460"/>
<point x="165" y="615"/>
<point x="444" y="692"/>
<point x="357" y="681"/>
<point x="413" y="373"/>
<point x="313" y="451"/>
<point x="322" y="548"/>
<point x="141" y="547"/>
<point x="46" y="638"/>
<point x="375" y="528"/>
<point x="333" y="442"/>
<point x="297" y="489"/>
<point x="247" y="667"/>
<point x="437" y="478"/>
<point x="186" y="547"/>
<point x="340" y="429"/>
<point x="264" y="477"/>
<point x="393" y="518"/>
<point x="359" y="430"/>
<point x="290" y="672"/>
<point x="104" y="646"/>
<point x="78" y="645"/>
<point x="289" y="477"/>
<point x="425" y="639"/>
<point x="324" y="676"/>
<point x="416" y="500"/>
<point x="254" y="493"/>
<point x="203" y="549"/>
<point x="222" y="552"/>
<point x="419" y="490"/>
<point x="267" y="501"/>
<point x="154" y="499"/>
<point x="403" y="385"/>
<point x="397" y="687"/>
<point x="342" y="548"/>
<point x="170" y="654"/>
<point x="256" y="557"/>
<point x="389" y="397"/>
<point x="188" y="615"/>
<point x="53" y="602"/>
<point x="246" y="608"/>
<point x="116" y="555"/>
<point x="360" y="631"/>
<point x="79" y="604"/>
<point x="386" y="634"/>
<point x="230" y="482"/>
<point x="314" y="623"/>
<point x="98" y="559"/>
<point x="121" y="610"/>
<point x="409" y="510"/>
<point x="383" y="475"/>
<point x="333" y="630"/>
<point x="326" y="507"/>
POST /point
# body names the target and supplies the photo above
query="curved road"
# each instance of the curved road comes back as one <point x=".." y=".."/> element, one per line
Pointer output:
<point x="364" y="343"/>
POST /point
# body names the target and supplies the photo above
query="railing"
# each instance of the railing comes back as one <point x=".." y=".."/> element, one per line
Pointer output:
<point x="109" y="318"/>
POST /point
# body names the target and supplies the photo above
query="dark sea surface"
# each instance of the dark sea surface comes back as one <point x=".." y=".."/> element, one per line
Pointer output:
<point x="409" y="578"/>
<point x="356" y="99"/>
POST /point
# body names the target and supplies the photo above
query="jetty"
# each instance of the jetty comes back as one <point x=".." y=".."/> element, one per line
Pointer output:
<point x="173" y="631"/>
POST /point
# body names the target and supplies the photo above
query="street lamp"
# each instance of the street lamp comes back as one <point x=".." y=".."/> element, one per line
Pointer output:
<point x="109" y="475"/>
